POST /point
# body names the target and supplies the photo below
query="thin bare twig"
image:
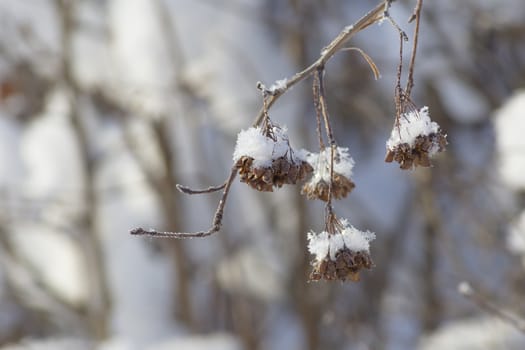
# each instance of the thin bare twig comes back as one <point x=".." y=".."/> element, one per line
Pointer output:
<point x="216" y="224"/>
<point x="373" y="16"/>
<point x="368" y="60"/>
<point x="318" y="112"/>
<point x="269" y="98"/>
<point x="416" y="15"/>
<point x="398" y="93"/>
<point x="211" y="189"/>
<point x="468" y="292"/>
<point x="324" y="112"/>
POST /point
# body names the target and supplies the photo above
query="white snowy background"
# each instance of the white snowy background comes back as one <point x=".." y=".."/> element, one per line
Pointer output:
<point x="106" y="104"/>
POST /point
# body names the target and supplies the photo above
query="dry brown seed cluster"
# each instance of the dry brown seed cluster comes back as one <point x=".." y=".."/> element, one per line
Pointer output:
<point x="341" y="186"/>
<point x="318" y="187"/>
<point x="282" y="171"/>
<point x="419" y="154"/>
<point x="346" y="266"/>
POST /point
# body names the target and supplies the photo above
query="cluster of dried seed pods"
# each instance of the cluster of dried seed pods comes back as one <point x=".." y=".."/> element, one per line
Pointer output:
<point x="318" y="187"/>
<point x="283" y="170"/>
<point x="419" y="154"/>
<point x="345" y="267"/>
<point x="414" y="140"/>
<point x="340" y="252"/>
<point x="341" y="186"/>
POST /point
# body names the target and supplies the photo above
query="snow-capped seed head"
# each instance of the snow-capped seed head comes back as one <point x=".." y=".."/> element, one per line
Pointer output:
<point x="265" y="159"/>
<point x="414" y="140"/>
<point x="343" y="162"/>
<point x="340" y="255"/>
<point x="318" y="186"/>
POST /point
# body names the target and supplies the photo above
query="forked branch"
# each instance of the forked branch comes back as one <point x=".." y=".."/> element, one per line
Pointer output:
<point x="272" y="95"/>
<point x="415" y="16"/>
<point x="373" y="16"/>
<point x="217" y="218"/>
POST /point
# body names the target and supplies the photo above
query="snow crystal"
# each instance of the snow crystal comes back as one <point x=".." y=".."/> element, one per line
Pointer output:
<point x="357" y="241"/>
<point x="323" y="243"/>
<point x="282" y="145"/>
<point x="278" y="86"/>
<point x="343" y="163"/>
<point x="411" y="125"/>
<point x="336" y="244"/>
<point x="302" y="155"/>
<point x="318" y="244"/>
<point x="262" y="149"/>
<point x="253" y="143"/>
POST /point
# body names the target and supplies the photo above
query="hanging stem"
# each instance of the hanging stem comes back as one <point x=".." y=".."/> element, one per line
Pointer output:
<point x="330" y="135"/>
<point x="398" y="93"/>
<point x="416" y="15"/>
<point x="318" y="112"/>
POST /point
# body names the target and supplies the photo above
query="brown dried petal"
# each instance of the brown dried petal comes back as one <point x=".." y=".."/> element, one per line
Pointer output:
<point x="346" y="266"/>
<point x="389" y="156"/>
<point x="282" y="171"/>
<point x="341" y="186"/>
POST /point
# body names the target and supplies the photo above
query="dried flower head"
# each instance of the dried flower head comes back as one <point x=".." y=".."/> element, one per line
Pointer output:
<point x="318" y="186"/>
<point x="415" y="138"/>
<point x="265" y="158"/>
<point x="340" y="255"/>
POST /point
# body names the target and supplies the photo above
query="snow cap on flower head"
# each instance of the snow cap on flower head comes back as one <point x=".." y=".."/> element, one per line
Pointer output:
<point x="265" y="158"/>
<point x="340" y="255"/>
<point x="318" y="185"/>
<point x="414" y="139"/>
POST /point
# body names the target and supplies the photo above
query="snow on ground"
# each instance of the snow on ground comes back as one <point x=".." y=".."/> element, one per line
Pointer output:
<point x="478" y="334"/>
<point x="509" y="123"/>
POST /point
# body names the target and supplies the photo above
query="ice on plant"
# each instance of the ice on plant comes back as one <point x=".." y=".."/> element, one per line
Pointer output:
<point x="336" y="244"/>
<point x="282" y="145"/>
<point x="353" y="239"/>
<point x="318" y="244"/>
<point x="411" y="125"/>
<point x="278" y="86"/>
<point x="253" y="143"/>
<point x="343" y="163"/>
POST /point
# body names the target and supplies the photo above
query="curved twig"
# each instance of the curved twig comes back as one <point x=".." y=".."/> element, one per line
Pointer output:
<point x="368" y="60"/>
<point x="281" y="87"/>
<point x="211" y="189"/>
<point x="216" y="224"/>
<point x="373" y="16"/>
<point x="416" y="15"/>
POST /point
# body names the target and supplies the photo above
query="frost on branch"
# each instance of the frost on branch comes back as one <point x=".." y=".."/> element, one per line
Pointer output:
<point x="415" y="138"/>
<point x="265" y="159"/>
<point x="318" y="185"/>
<point x="341" y="254"/>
